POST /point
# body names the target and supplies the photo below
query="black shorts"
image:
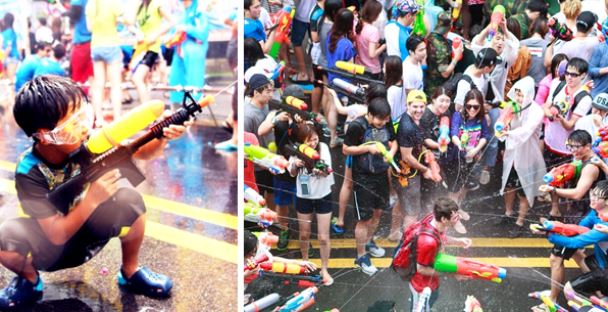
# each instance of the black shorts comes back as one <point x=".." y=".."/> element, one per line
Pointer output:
<point x="563" y="252"/>
<point x="513" y="182"/>
<point x="168" y="54"/>
<point x="318" y="75"/>
<point x="320" y="206"/>
<point x="588" y="283"/>
<point x="149" y="59"/>
<point x="264" y="180"/>
<point x="370" y="192"/>
<point x="25" y="236"/>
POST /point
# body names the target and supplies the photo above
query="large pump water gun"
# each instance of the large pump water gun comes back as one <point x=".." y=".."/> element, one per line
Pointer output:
<point x="294" y="106"/>
<point x="300" y="301"/>
<point x="497" y="17"/>
<point x="103" y="151"/>
<point x="346" y="70"/>
<point x="385" y="153"/>
<point x="444" y="134"/>
<point x="559" y="228"/>
<point x="263" y="303"/>
<point x="263" y="157"/>
<point x="578" y="303"/>
<point x="251" y="195"/>
<point x="456" y="10"/>
<point x="344" y="89"/>
<point x="469" y="267"/>
<point x="431" y="162"/>
<point x="349" y="87"/>
<point x="281" y="35"/>
<point x="277" y="74"/>
<point x="559" y="30"/>
<point x="262" y="215"/>
<point x="504" y="120"/>
<point x="298" y="280"/>
<point x="544" y="296"/>
<point x="312" y="159"/>
<point x="559" y="176"/>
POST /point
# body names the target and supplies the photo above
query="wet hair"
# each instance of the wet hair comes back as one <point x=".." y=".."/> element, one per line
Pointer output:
<point x="557" y="59"/>
<point x="581" y="137"/>
<point x="601" y="189"/>
<point x="42" y="21"/>
<point x="369" y="13"/>
<point x="343" y="27"/>
<point x="444" y="208"/>
<point x="514" y="27"/>
<point x="252" y="52"/>
<point x="41" y="45"/>
<point x="439" y="91"/>
<point x="250" y="243"/>
<point x="45" y="100"/>
<point x="375" y="90"/>
<point x="331" y="8"/>
<point x="304" y="131"/>
<point x="247" y="4"/>
<point x="581" y="65"/>
<point x="379" y="107"/>
<point x="476" y="95"/>
<point x="539" y="26"/>
<point x="394" y="70"/>
<point x="8" y="20"/>
<point x="413" y="42"/>
<point x="59" y="51"/>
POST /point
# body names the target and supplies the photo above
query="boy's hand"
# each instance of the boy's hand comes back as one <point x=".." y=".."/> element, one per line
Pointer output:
<point x="174" y="131"/>
<point x="103" y="188"/>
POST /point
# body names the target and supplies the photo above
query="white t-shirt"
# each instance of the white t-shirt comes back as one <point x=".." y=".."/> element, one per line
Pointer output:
<point x="396" y="99"/>
<point x="412" y="75"/>
<point x="586" y="123"/>
<point x="391" y="33"/>
<point x="318" y="186"/>
<point x="481" y="83"/>
<point x="555" y="134"/>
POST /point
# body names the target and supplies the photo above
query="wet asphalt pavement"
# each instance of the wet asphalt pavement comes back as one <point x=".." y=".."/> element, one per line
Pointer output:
<point x="191" y="230"/>
<point x="525" y="258"/>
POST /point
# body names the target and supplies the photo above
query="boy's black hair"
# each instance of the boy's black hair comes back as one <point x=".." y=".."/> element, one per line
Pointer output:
<point x="331" y="8"/>
<point x="247" y="4"/>
<point x="45" y="100"/>
<point x="581" y="137"/>
<point x="250" y="242"/>
<point x="8" y="20"/>
<point x="59" y="51"/>
<point x="375" y="90"/>
<point x="538" y="6"/>
<point x="412" y="43"/>
<point x="379" y="107"/>
<point x="581" y="65"/>
<point x="444" y="208"/>
<point x="601" y="189"/>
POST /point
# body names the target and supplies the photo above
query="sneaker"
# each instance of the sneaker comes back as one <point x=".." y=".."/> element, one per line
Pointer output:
<point x="471" y="185"/>
<point x="366" y="265"/>
<point x="374" y="250"/>
<point x="335" y="227"/>
<point x="146" y="282"/>
<point x="283" y="240"/>
<point x="20" y="292"/>
<point x="484" y="178"/>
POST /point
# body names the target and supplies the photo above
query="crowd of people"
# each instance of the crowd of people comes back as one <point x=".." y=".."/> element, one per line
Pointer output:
<point x="463" y="87"/>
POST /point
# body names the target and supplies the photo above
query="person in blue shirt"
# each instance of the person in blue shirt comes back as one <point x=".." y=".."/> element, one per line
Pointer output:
<point x="52" y="65"/>
<point x="9" y="46"/>
<point x="252" y="26"/>
<point x="340" y="46"/>
<point x="80" y="61"/>
<point x="592" y="280"/>
<point x="399" y="29"/>
<point x="28" y="67"/>
<point x="598" y="64"/>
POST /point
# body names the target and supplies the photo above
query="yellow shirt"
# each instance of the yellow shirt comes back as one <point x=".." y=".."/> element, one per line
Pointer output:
<point x="149" y="22"/>
<point x="102" y="18"/>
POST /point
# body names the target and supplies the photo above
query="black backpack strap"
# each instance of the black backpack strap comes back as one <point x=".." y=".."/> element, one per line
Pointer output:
<point x="559" y="88"/>
<point x="578" y="98"/>
<point x="468" y="79"/>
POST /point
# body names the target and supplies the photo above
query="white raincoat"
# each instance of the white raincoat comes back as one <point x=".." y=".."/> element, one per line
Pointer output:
<point x="522" y="149"/>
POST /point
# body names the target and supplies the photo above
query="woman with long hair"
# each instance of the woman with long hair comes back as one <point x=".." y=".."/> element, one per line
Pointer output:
<point x="340" y="46"/>
<point x="393" y="79"/>
<point x="368" y="37"/>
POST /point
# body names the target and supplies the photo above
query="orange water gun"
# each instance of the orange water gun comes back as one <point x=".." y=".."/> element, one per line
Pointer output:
<point x="559" y="176"/>
<point x="282" y="31"/>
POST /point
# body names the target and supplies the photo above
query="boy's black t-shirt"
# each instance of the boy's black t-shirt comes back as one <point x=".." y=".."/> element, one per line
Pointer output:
<point x="429" y="122"/>
<point x="355" y="135"/>
<point x="410" y="135"/>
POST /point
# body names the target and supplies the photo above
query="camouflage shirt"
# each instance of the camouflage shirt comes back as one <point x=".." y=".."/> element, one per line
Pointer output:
<point x="439" y="56"/>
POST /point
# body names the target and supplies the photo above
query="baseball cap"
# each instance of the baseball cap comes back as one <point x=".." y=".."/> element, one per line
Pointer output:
<point x="405" y="6"/>
<point x="487" y="57"/>
<point x="416" y="95"/>
<point x="444" y="23"/>
<point x="601" y="101"/>
<point x="257" y="81"/>
<point x="586" y="19"/>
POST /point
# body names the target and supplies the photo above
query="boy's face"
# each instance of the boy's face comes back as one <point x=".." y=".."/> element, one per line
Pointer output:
<point x="416" y="109"/>
<point x="573" y="77"/>
<point x="498" y="43"/>
<point x="379" y="122"/>
<point x="420" y="52"/>
<point x="71" y="130"/>
<point x="266" y="95"/>
<point x="255" y="9"/>
<point x="519" y="96"/>
<point x="577" y="149"/>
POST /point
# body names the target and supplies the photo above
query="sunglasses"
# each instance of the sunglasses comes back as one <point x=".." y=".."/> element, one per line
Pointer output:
<point x="475" y="107"/>
<point x="571" y="74"/>
<point x="573" y="147"/>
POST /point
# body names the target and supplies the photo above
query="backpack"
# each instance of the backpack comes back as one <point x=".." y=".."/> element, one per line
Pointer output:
<point x="577" y="98"/>
<point x="367" y="162"/>
<point x="404" y="257"/>
<point x="520" y="68"/>
<point x="451" y="85"/>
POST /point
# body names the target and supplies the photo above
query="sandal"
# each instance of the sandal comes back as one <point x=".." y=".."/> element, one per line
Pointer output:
<point x="540" y="308"/>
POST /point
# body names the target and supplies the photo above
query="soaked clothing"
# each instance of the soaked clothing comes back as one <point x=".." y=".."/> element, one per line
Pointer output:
<point x="34" y="179"/>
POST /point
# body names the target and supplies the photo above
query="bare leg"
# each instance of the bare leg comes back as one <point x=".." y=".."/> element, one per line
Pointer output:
<point x="323" y="222"/>
<point x="283" y="211"/>
<point x="579" y="258"/>
<point x="98" y="88"/>
<point x="373" y="224"/>
<point x="361" y="229"/>
<point x="115" y="78"/>
<point x="139" y="79"/>
<point x="331" y="115"/>
<point x="131" y="244"/>
<point x="523" y="210"/>
<point x="397" y="220"/>
<point x="19" y="265"/>
<point x="345" y="191"/>
<point x="509" y="200"/>
<point x="302" y="70"/>
<point x="557" y="275"/>
<point x="304" y="222"/>
<point x="555" y="206"/>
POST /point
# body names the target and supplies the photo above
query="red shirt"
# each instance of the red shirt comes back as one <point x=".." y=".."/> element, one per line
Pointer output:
<point x="427" y="249"/>
<point x="248" y="172"/>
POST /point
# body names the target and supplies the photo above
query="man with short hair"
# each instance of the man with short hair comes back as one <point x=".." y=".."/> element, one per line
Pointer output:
<point x="485" y="62"/>
<point x="440" y="62"/>
<point x="412" y="66"/>
<point x="397" y="31"/>
<point x="597" y="119"/>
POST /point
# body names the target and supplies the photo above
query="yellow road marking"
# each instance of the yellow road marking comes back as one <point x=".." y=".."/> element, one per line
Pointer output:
<point x="169" y="206"/>
<point x="504" y="262"/>
<point x="173" y="236"/>
<point x="477" y="242"/>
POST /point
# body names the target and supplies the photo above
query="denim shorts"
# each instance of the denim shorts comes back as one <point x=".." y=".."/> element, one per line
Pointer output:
<point x="298" y="31"/>
<point x="106" y="54"/>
